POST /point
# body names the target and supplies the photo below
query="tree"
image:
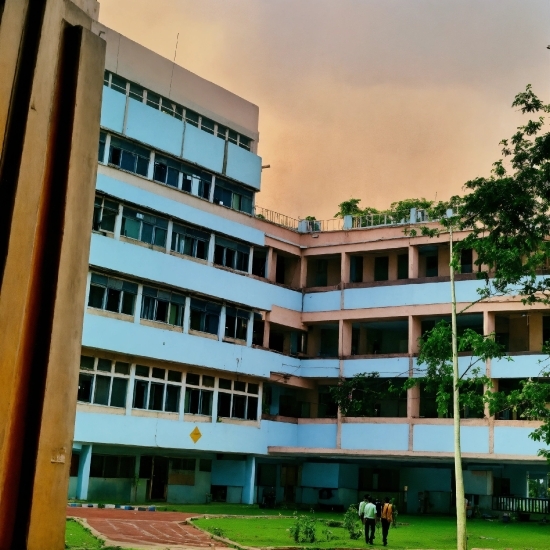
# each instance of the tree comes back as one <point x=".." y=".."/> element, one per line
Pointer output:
<point x="351" y="208"/>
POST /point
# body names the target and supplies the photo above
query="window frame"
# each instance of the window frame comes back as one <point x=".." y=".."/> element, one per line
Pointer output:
<point x="95" y="372"/>
<point x="151" y="380"/>
<point x="98" y="280"/>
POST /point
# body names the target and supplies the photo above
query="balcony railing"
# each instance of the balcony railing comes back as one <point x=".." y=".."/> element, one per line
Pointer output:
<point x="521" y="504"/>
<point x="338" y="224"/>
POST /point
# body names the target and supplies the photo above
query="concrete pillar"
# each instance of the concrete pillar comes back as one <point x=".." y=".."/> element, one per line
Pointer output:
<point x="392" y="266"/>
<point x="266" y="333"/>
<point x="344" y="338"/>
<point x="169" y="236"/>
<point x="535" y="331"/>
<point x="84" y="472"/>
<point x="133" y="495"/>
<point x="130" y="392"/>
<point x="413" y="402"/>
<point x="443" y="261"/>
<point x="415" y="331"/>
<point x="187" y="315"/>
<point x="488" y="322"/>
<point x="413" y="262"/>
<point x="249" y="480"/>
<point x="151" y="167"/>
<point x="211" y="247"/>
<point x="105" y="159"/>
<point x="118" y="223"/>
<point x="303" y="271"/>
<point x="250" y="260"/>
<point x="345" y="268"/>
<point x="215" y="406"/>
<point x="137" y="306"/>
<point x="271" y="264"/>
<point x="221" y="327"/>
<point x="250" y="329"/>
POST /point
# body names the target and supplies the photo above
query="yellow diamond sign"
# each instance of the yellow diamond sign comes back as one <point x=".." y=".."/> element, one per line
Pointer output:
<point x="195" y="435"/>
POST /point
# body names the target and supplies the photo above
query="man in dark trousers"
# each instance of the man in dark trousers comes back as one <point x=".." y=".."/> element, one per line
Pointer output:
<point x="369" y="513"/>
<point x="387" y="518"/>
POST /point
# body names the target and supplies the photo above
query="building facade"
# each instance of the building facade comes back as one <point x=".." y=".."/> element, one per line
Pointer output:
<point x="214" y="329"/>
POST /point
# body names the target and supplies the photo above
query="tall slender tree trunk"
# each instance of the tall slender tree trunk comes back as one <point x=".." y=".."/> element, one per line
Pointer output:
<point x="461" y="539"/>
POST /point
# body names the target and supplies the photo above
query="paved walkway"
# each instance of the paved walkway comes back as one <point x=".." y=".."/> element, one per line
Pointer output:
<point x="142" y="529"/>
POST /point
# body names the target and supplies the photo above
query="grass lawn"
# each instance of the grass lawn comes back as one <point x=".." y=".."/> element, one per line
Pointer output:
<point x="78" y="537"/>
<point x="422" y="532"/>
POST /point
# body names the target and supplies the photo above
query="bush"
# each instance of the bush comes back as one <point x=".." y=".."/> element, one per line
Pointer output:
<point x="217" y="531"/>
<point x="352" y="523"/>
<point x="303" y="529"/>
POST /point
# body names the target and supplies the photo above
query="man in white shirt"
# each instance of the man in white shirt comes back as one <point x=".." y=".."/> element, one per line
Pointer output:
<point x="367" y="512"/>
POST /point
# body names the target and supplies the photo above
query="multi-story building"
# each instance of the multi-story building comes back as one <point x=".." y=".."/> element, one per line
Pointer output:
<point x="214" y="328"/>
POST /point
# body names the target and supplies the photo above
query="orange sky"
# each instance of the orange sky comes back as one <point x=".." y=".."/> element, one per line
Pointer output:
<point x="375" y="99"/>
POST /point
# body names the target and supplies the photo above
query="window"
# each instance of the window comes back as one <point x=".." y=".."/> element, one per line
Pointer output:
<point x="153" y="393"/>
<point x="236" y="323"/>
<point x="101" y="148"/>
<point x="118" y="84"/>
<point x="144" y="227"/>
<point x="168" y="171"/>
<point x="110" y="466"/>
<point x="201" y="179"/>
<point x="222" y="132"/>
<point x="153" y="100"/>
<point x="231" y="254"/>
<point x="205" y="316"/>
<point x="128" y="156"/>
<point x="244" y="142"/>
<point x="381" y="268"/>
<point x="207" y="125"/>
<point x="160" y="305"/>
<point x="192" y="118"/>
<point x="112" y="294"/>
<point x="190" y="242"/>
<point x="199" y="394"/>
<point x="431" y="265"/>
<point x="233" y="196"/>
<point x="241" y="402"/>
<point x="259" y="259"/>
<point x="171" y="108"/>
<point x="106" y="76"/>
<point x="403" y="266"/>
<point x="466" y="261"/>
<point x="105" y="213"/>
<point x="102" y="381"/>
<point x="233" y="137"/>
<point x="298" y="342"/>
<point x="136" y="92"/>
<point x="356" y="269"/>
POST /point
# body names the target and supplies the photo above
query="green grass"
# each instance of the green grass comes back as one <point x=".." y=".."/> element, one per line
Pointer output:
<point x="222" y="508"/>
<point x="422" y="532"/>
<point x="78" y="537"/>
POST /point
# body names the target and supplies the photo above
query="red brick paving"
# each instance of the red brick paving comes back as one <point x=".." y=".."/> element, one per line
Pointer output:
<point x="133" y="527"/>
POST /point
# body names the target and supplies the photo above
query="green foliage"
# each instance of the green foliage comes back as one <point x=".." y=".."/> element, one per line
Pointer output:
<point x="352" y="523"/>
<point x="304" y="528"/>
<point x="310" y="218"/>
<point x="218" y="531"/>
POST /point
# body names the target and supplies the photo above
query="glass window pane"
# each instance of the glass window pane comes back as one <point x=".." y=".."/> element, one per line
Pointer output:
<point x="118" y="84"/>
<point x="142" y="166"/>
<point x="128" y="161"/>
<point x="111" y="466"/>
<point x="160" y="172"/>
<point x="191" y="117"/>
<point x="239" y="406"/>
<point x="101" y="392"/>
<point x="118" y="393"/>
<point x="95" y="299"/>
<point x="156" y="395"/>
<point x="174" y="376"/>
<point x="204" y="189"/>
<point x="160" y="237"/>
<point x="208" y="381"/>
<point x="173" y="177"/>
<point x="224" y="405"/>
<point x="239" y="386"/>
<point x="87" y="362"/>
<point x="113" y="300"/>
<point x="192" y="379"/>
<point x="96" y="466"/>
<point x="114" y="156"/>
<point x="252" y="410"/>
<point x="192" y="398"/>
<point x="85" y="387"/>
<point x="142" y="371"/>
<point x="130" y="228"/>
<point x="147" y="233"/>
<point x="207" y="125"/>
<point x="230" y="325"/>
<point x="206" y="402"/>
<point x="211" y="323"/>
<point x="253" y="388"/>
<point x="172" y="398"/>
<point x="136" y="92"/>
<point x="108" y="220"/>
<point x="162" y="313"/>
<point x="153" y="100"/>
<point x="242" y="325"/>
<point x="202" y="250"/>
<point x="122" y="368"/>
<point x="196" y="320"/>
<point x="104" y="365"/>
<point x="224" y="384"/>
<point x="158" y="373"/>
<point x="176" y="315"/>
<point x="140" y="394"/>
<point x="127" y="466"/>
<point x="128" y="301"/>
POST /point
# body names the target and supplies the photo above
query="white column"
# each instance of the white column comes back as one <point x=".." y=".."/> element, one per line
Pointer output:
<point x="211" y="247"/>
<point x="215" y="404"/>
<point x="169" y="236"/>
<point x="137" y="307"/>
<point x="250" y="259"/>
<point x="187" y="315"/>
<point x="180" y="181"/>
<point x="250" y="329"/>
<point x="151" y="165"/>
<point x="213" y="184"/>
<point x="221" y="327"/>
<point x="118" y="223"/>
<point x="250" y="476"/>
<point x="105" y="159"/>
<point x="130" y="392"/>
<point x="84" y="472"/>
<point x="195" y="186"/>
<point x="133" y="495"/>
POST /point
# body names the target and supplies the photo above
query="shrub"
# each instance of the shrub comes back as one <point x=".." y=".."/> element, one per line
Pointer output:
<point x="218" y="531"/>
<point x="303" y="529"/>
<point x="352" y="523"/>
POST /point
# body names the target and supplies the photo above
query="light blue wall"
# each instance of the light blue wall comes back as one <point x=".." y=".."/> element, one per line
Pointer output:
<point x="195" y="494"/>
<point x="72" y="487"/>
<point x="203" y="149"/>
<point x="375" y="437"/>
<point x="317" y="435"/>
<point x="321" y="476"/>
<point x="154" y="127"/>
<point x="348" y="476"/>
<point x="228" y="472"/>
<point x="320" y="368"/>
<point x="515" y="441"/>
<point x="152" y="265"/>
<point x="179" y="210"/>
<point x="521" y="366"/>
<point x="423" y="479"/>
<point x="322" y="301"/>
<point x="105" y="489"/>
<point x="243" y="165"/>
<point x="473" y="439"/>
<point x="464" y="363"/>
<point x="166" y="345"/>
<point x="112" y="110"/>
<point x="162" y="433"/>
<point x="384" y="366"/>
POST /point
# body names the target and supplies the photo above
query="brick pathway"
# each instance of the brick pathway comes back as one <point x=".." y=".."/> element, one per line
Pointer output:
<point x="129" y="527"/>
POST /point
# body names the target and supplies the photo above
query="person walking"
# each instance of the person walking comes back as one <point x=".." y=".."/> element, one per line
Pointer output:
<point x="369" y="513"/>
<point x="387" y="518"/>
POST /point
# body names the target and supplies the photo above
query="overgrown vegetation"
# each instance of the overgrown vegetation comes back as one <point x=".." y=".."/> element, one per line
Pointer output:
<point x="352" y="523"/>
<point x="304" y="528"/>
